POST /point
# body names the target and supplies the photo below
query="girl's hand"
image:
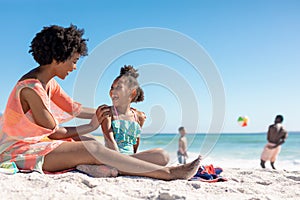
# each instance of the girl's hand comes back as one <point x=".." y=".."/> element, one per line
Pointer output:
<point x="102" y="113"/>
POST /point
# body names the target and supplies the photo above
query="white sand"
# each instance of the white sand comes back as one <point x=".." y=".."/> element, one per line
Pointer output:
<point x="242" y="184"/>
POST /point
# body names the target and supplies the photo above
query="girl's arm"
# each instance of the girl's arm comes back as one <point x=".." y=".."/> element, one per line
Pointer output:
<point x="141" y="120"/>
<point x="109" y="139"/>
<point x="141" y="117"/>
<point x="136" y="146"/>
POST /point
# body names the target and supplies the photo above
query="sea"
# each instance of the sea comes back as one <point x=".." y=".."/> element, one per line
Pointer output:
<point x="226" y="150"/>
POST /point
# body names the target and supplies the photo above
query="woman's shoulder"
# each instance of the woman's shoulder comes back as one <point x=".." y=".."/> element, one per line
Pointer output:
<point x="32" y="83"/>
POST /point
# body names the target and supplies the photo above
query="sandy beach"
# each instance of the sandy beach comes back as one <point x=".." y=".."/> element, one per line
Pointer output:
<point x="241" y="184"/>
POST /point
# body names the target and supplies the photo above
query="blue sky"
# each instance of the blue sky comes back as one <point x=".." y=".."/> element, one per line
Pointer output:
<point x="254" y="44"/>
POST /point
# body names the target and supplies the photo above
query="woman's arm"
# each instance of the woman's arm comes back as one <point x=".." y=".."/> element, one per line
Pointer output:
<point x="86" y="113"/>
<point x="109" y="139"/>
<point x="69" y="132"/>
<point x="66" y="103"/>
<point x="30" y="100"/>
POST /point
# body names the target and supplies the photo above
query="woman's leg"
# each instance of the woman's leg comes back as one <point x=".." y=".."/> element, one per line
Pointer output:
<point x="156" y="156"/>
<point x="85" y="137"/>
<point x="71" y="154"/>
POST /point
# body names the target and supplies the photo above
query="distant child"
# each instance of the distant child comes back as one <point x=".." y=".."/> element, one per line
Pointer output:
<point x="276" y="137"/>
<point x="123" y="128"/>
<point x="182" y="147"/>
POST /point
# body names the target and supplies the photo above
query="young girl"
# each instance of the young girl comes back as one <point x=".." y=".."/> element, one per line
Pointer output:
<point x="122" y="130"/>
<point x="35" y="110"/>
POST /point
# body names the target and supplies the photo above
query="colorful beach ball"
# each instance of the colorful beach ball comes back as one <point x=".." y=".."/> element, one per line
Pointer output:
<point x="243" y="121"/>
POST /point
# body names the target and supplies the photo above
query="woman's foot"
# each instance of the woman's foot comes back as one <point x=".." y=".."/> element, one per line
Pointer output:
<point x="185" y="171"/>
<point x="98" y="171"/>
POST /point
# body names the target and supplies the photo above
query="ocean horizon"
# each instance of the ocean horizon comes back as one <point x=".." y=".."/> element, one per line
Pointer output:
<point x="228" y="150"/>
<point x="172" y="133"/>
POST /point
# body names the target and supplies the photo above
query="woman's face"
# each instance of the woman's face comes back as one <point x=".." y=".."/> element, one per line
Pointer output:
<point x="119" y="92"/>
<point x="64" y="68"/>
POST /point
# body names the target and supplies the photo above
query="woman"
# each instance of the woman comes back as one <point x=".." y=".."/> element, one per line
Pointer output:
<point x="37" y="105"/>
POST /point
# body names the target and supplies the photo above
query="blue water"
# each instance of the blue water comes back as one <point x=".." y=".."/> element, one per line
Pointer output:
<point x="227" y="150"/>
<point x="232" y="150"/>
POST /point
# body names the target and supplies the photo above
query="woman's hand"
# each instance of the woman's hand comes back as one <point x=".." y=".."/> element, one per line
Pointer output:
<point x="102" y="113"/>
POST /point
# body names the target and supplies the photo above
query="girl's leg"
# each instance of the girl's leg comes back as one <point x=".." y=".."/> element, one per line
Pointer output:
<point x="157" y="156"/>
<point x="71" y="154"/>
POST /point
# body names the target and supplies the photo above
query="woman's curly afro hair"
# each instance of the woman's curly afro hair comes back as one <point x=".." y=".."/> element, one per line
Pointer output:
<point x="58" y="43"/>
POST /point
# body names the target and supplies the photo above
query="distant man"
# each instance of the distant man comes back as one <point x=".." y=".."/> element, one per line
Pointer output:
<point x="276" y="137"/>
<point x="182" y="147"/>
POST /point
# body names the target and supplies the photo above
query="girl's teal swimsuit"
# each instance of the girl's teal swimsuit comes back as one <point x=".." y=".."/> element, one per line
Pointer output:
<point x="126" y="133"/>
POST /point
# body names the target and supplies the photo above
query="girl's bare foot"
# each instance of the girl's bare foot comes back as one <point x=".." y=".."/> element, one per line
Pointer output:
<point x="98" y="171"/>
<point x="185" y="171"/>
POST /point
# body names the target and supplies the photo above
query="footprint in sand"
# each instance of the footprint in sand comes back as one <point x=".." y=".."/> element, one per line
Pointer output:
<point x="295" y="178"/>
<point x="264" y="182"/>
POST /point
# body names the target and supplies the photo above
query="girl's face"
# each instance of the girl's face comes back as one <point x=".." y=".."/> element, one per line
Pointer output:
<point x="120" y="93"/>
<point x="64" y="68"/>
